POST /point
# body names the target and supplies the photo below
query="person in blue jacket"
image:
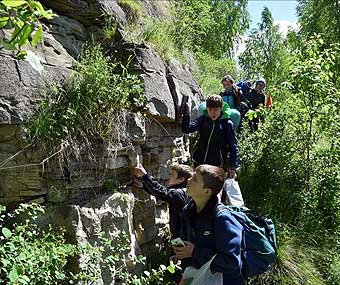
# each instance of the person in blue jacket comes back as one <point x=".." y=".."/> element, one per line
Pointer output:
<point x="207" y="232"/>
<point x="233" y="96"/>
<point x="216" y="136"/>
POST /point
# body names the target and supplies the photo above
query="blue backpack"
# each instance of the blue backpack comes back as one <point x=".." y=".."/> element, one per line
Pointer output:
<point x="259" y="248"/>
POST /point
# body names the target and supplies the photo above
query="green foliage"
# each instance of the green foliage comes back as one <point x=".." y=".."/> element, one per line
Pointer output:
<point x="111" y="254"/>
<point x="110" y="28"/>
<point x="24" y="17"/>
<point x="154" y="276"/>
<point x="90" y="106"/>
<point x="106" y="256"/>
<point x="133" y="9"/>
<point x="210" y="71"/>
<point x="265" y="54"/>
<point x="321" y="17"/>
<point x="29" y="255"/>
<point x="209" y="26"/>
<point x="290" y="168"/>
<point x="160" y="35"/>
<point x="196" y="32"/>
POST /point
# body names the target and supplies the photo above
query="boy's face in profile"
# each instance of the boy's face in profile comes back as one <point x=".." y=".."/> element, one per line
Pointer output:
<point x="173" y="178"/>
<point x="195" y="185"/>
<point x="214" y="112"/>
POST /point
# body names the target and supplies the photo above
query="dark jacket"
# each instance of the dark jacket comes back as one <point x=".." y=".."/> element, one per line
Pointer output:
<point x="245" y="87"/>
<point x="254" y="99"/>
<point x="176" y="197"/>
<point x="214" y="233"/>
<point x="216" y="138"/>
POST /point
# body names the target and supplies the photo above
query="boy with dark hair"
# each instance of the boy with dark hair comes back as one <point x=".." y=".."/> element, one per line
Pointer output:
<point x="209" y="233"/>
<point x="175" y="195"/>
<point x="216" y="136"/>
<point x="255" y="98"/>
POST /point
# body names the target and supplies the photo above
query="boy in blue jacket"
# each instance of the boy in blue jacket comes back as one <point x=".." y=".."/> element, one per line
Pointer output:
<point x="207" y="232"/>
<point x="216" y="136"/>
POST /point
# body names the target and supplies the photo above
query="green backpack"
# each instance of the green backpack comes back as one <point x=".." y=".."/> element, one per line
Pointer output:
<point x="259" y="247"/>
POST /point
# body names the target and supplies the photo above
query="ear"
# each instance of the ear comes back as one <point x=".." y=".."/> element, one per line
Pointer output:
<point x="208" y="192"/>
<point x="181" y="180"/>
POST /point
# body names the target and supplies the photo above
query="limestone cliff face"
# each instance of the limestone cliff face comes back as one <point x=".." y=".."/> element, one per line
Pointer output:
<point x="28" y="174"/>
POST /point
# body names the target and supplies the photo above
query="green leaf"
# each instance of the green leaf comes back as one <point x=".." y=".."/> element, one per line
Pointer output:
<point x="24" y="279"/>
<point x="22" y="55"/>
<point x="6" y="232"/>
<point x="9" y="46"/>
<point x="13" y="3"/>
<point x="37" y="36"/>
<point x="5" y="262"/>
<point x="24" y="34"/>
<point x="13" y="274"/>
<point x="162" y="267"/>
<point x="3" y="21"/>
<point x="34" y="61"/>
<point x="60" y="276"/>
<point x="22" y="256"/>
<point x="171" y="268"/>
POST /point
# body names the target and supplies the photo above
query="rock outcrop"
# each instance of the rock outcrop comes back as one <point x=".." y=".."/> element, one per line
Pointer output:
<point x="31" y="174"/>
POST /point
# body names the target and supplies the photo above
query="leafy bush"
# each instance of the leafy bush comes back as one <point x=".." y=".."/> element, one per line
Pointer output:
<point x="289" y="168"/>
<point x="91" y="105"/>
<point x="29" y="255"/>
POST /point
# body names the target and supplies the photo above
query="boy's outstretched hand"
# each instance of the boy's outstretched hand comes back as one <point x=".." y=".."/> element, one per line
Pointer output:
<point x="139" y="171"/>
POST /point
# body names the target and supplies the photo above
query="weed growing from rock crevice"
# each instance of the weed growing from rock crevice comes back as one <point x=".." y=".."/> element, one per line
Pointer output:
<point x="89" y="111"/>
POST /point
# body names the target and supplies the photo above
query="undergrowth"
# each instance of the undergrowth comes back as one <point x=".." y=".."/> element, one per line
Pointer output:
<point x="90" y="108"/>
<point x="31" y="255"/>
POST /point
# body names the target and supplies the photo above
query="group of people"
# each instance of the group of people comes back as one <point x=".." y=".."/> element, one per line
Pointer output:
<point x="239" y="98"/>
<point x="193" y="195"/>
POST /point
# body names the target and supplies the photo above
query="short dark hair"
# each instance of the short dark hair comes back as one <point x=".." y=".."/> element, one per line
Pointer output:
<point x="214" y="101"/>
<point x="182" y="170"/>
<point x="213" y="177"/>
<point x="228" y="78"/>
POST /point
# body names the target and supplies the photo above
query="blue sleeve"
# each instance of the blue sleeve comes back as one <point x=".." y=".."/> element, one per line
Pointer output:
<point x="228" y="238"/>
<point x="201" y="255"/>
<point x="191" y="126"/>
<point x="232" y="145"/>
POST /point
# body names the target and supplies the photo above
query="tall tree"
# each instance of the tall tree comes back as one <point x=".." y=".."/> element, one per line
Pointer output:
<point x="320" y="17"/>
<point x="211" y="26"/>
<point x="265" y="53"/>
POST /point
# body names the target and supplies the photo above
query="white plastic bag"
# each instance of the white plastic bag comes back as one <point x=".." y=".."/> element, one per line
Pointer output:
<point x="202" y="276"/>
<point x="233" y="191"/>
